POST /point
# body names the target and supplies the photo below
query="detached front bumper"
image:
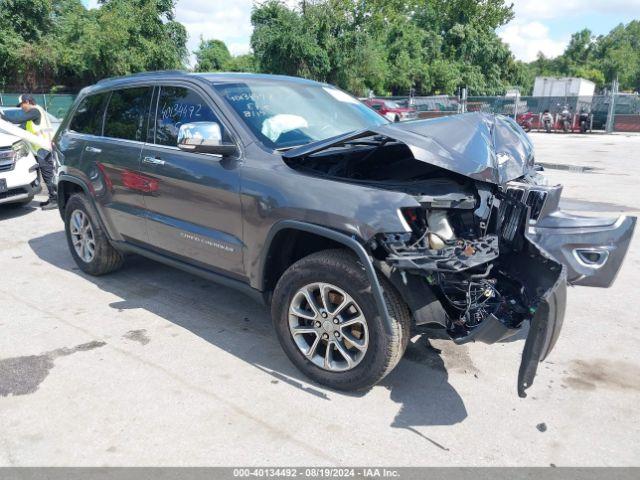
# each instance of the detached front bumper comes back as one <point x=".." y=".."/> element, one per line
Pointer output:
<point x="543" y="332"/>
<point x="592" y="249"/>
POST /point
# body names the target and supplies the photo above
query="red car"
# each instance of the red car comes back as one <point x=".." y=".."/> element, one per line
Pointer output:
<point x="391" y="110"/>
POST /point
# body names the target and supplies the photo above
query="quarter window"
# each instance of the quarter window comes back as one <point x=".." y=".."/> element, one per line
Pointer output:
<point x="127" y="114"/>
<point x="88" y="117"/>
<point x="177" y="106"/>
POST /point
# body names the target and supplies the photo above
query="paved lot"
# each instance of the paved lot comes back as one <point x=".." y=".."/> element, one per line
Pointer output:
<point x="151" y="366"/>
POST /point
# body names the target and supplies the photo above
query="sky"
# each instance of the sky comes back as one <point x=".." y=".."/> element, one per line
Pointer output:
<point x="539" y="25"/>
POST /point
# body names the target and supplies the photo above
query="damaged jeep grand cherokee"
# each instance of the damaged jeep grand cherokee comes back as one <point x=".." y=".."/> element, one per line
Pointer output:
<point x="355" y="230"/>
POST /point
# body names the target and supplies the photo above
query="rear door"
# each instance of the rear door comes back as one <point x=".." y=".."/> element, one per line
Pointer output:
<point x="116" y="155"/>
<point x="194" y="208"/>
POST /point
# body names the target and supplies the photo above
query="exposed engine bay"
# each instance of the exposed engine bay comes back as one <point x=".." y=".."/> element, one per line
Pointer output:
<point x="478" y="263"/>
<point x="464" y="241"/>
<point x="485" y="248"/>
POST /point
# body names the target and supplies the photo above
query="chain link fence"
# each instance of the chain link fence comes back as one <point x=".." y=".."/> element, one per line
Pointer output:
<point x="56" y="104"/>
<point x="621" y="110"/>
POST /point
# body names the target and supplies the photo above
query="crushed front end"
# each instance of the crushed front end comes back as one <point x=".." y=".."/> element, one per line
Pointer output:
<point x="484" y="254"/>
<point x="484" y="248"/>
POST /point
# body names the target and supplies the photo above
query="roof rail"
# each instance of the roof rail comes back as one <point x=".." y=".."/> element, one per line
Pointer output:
<point x="142" y="74"/>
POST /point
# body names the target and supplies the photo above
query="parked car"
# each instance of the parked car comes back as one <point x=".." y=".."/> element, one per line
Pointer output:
<point x="18" y="171"/>
<point x="55" y="122"/>
<point x="391" y="110"/>
<point x="355" y="230"/>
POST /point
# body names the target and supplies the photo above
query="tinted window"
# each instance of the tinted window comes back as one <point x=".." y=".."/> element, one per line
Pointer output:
<point x="88" y="116"/>
<point x="127" y="114"/>
<point x="178" y="105"/>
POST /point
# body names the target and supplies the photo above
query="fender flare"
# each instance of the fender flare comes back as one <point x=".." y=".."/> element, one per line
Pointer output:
<point x="88" y="192"/>
<point x="347" y="241"/>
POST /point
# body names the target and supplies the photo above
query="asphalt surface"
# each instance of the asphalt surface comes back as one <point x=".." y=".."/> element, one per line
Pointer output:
<point x="152" y="366"/>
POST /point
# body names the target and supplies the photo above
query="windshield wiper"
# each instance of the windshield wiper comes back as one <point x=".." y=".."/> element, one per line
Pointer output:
<point x="284" y="149"/>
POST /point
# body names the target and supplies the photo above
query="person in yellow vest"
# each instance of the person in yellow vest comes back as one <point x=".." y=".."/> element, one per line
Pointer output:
<point x="34" y="119"/>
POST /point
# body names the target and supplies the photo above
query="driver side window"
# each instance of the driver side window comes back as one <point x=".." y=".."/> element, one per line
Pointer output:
<point x="177" y="106"/>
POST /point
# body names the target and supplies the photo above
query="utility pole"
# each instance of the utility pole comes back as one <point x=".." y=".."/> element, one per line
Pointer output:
<point x="612" y="106"/>
<point x="464" y="100"/>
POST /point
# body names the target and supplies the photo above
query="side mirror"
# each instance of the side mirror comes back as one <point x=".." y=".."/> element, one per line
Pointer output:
<point x="204" y="137"/>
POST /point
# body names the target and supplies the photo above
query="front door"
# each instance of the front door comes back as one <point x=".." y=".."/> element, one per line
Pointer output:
<point x="194" y="208"/>
<point x="117" y="155"/>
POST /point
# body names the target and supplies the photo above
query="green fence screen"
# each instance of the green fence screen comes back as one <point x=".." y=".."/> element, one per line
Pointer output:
<point x="56" y="104"/>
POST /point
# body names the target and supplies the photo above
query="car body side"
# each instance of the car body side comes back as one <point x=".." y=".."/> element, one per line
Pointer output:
<point x="269" y="192"/>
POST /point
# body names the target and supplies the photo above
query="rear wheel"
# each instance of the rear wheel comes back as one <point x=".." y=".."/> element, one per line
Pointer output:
<point x="87" y="240"/>
<point x="328" y="324"/>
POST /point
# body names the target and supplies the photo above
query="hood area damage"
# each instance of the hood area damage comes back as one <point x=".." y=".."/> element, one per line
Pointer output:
<point x="479" y="146"/>
<point x="487" y="249"/>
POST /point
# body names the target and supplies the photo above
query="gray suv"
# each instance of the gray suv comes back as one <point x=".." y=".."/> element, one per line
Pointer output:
<point x="356" y="231"/>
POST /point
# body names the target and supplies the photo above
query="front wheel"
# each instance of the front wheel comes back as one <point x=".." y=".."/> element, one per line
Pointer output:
<point x="328" y="324"/>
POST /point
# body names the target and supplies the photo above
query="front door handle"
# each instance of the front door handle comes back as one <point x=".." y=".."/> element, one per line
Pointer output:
<point x="93" y="150"/>
<point x="153" y="161"/>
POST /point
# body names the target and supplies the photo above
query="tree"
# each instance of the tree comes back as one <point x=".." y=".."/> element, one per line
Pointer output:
<point x="242" y="63"/>
<point x="47" y="42"/>
<point x="212" y="56"/>
<point x="284" y="44"/>
<point x="389" y="46"/>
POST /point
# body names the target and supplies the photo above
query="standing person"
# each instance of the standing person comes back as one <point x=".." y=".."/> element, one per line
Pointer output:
<point x="34" y="119"/>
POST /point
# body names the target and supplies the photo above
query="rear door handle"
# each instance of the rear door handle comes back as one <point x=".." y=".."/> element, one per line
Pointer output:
<point x="93" y="150"/>
<point x="153" y="161"/>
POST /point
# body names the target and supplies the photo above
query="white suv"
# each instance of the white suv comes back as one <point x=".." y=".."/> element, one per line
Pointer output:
<point x="18" y="171"/>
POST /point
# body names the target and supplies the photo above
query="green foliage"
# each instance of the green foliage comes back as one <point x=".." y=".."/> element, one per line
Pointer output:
<point x="388" y="46"/>
<point x="242" y="63"/>
<point x="46" y="42"/>
<point x="212" y="56"/>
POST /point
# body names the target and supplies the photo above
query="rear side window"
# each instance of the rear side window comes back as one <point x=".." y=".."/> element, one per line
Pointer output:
<point x="127" y="114"/>
<point x="179" y="105"/>
<point x="88" y="117"/>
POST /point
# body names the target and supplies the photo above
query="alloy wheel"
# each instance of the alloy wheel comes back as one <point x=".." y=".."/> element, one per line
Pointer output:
<point x="82" y="236"/>
<point x="328" y="327"/>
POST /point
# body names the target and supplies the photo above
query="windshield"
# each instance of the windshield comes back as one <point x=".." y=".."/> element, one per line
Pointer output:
<point x="390" y="104"/>
<point x="287" y="115"/>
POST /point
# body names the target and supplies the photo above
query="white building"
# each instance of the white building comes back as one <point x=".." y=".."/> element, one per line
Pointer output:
<point x="563" y="87"/>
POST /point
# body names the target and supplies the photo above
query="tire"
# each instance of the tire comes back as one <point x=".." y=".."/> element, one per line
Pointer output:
<point x="341" y="269"/>
<point x="105" y="258"/>
<point x="396" y="119"/>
